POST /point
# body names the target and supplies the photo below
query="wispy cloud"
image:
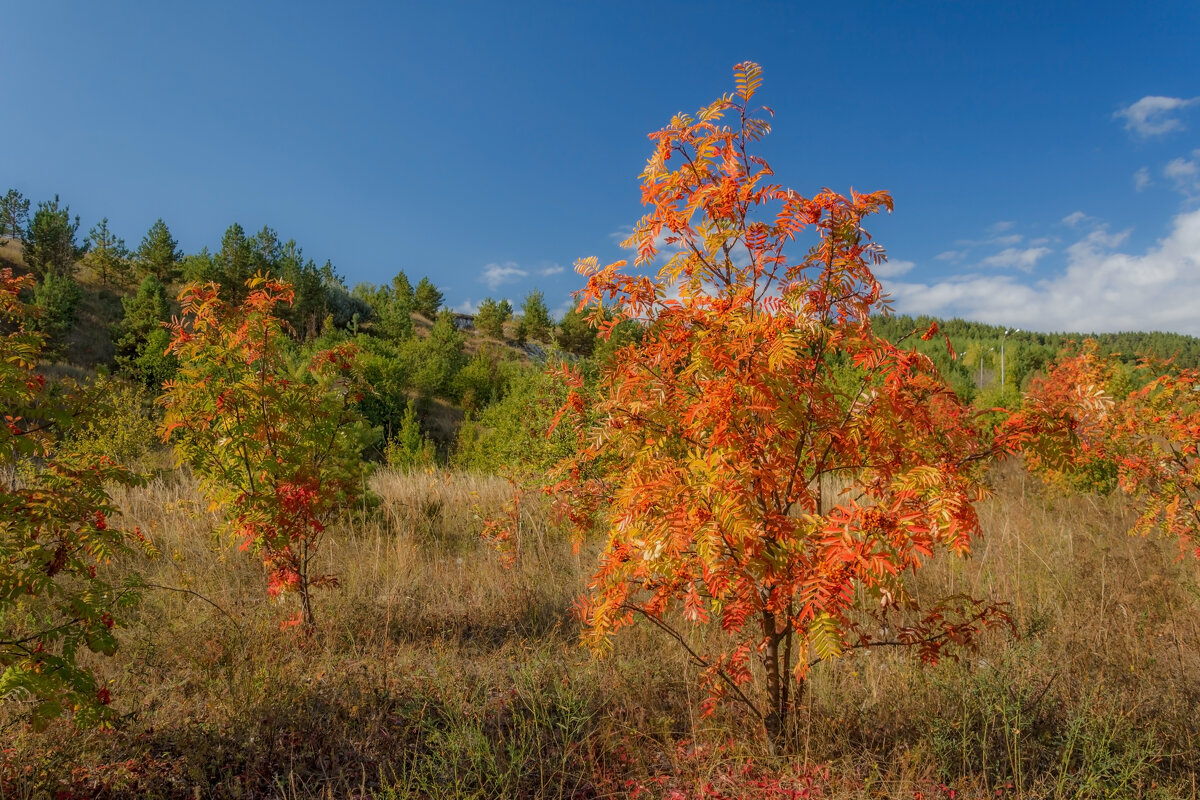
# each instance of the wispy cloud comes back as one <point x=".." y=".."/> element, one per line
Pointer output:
<point x="1015" y="258"/>
<point x="951" y="255"/>
<point x="1099" y="289"/>
<point x="551" y="270"/>
<point x="1006" y="241"/>
<point x="1141" y="179"/>
<point x="1154" y="115"/>
<point x="1185" y="173"/>
<point x="996" y="236"/>
<point x="467" y="307"/>
<point x="495" y="275"/>
<point x="1074" y="218"/>
<point x="893" y="269"/>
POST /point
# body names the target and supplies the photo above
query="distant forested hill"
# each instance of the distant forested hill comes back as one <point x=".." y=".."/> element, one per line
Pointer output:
<point x="979" y="347"/>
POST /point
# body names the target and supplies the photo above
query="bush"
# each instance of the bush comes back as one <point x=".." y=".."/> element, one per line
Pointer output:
<point x="56" y="299"/>
<point x="409" y="448"/>
<point x="122" y="425"/>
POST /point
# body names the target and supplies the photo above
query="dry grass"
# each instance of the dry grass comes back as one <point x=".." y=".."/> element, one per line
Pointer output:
<point x="436" y="672"/>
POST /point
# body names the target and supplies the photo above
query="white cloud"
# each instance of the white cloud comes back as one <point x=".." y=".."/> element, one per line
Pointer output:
<point x="1185" y="173"/>
<point x="1141" y="179"/>
<point x="1017" y="259"/>
<point x="552" y="270"/>
<point x="1074" y="218"/>
<point x="1100" y="289"/>
<point x="1006" y="241"/>
<point x="467" y="307"/>
<point x="995" y="236"/>
<point x="951" y="255"/>
<point x="496" y="274"/>
<point x="1154" y="116"/>
<point x="893" y="269"/>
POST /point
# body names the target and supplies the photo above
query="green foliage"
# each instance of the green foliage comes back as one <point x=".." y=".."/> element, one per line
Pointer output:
<point x="345" y="310"/>
<point x="311" y="304"/>
<point x="50" y="245"/>
<point x="140" y="338"/>
<point x="155" y="365"/>
<point x="391" y="307"/>
<point x="510" y="435"/>
<point x="199" y="267"/>
<point x="122" y="423"/>
<point x="481" y="380"/>
<point x="491" y="316"/>
<point x="276" y="444"/>
<point x="56" y="299"/>
<point x="55" y="538"/>
<point x="394" y="320"/>
<point x="427" y="299"/>
<point x="318" y="290"/>
<point x="438" y="357"/>
<point x="158" y="255"/>
<point x="575" y="335"/>
<point x="535" y="318"/>
<point x="147" y="310"/>
<point x="1026" y="353"/>
<point x="14" y="215"/>
<point x="236" y="262"/>
<point x="409" y="448"/>
<point x="388" y="375"/>
<point x="107" y="255"/>
<point x="402" y="290"/>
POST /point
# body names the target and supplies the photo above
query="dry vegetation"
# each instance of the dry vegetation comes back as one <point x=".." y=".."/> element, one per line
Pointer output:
<point x="436" y="672"/>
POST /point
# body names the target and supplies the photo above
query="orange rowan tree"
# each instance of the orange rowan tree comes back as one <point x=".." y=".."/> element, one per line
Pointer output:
<point x="761" y="458"/>
<point x="1073" y="425"/>
<point x="276" y="443"/>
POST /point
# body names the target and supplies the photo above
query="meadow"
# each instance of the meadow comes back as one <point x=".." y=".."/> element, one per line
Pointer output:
<point x="438" y="672"/>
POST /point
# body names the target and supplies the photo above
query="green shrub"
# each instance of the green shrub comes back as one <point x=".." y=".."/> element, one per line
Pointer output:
<point x="122" y="423"/>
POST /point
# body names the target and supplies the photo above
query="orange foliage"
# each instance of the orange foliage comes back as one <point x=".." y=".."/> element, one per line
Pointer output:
<point x="1148" y="438"/>
<point x="761" y="457"/>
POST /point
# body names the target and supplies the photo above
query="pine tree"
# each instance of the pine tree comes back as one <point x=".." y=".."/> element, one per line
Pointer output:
<point x="14" y="215"/>
<point x="309" y="306"/>
<point x="409" y="448"/>
<point x="535" y="317"/>
<point x="491" y="316"/>
<point x="236" y="263"/>
<point x="56" y="297"/>
<point x="140" y="338"/>
<point x="427" y="299"/>
<point x="440" y="357"/>
<point x="50" y="240"/>
<point x="402" y="289"/>
<point x="575" y="334"/>
<point x="395" y="316"/>
<point x="159" y="254"/>
<point x="107" y="255"/>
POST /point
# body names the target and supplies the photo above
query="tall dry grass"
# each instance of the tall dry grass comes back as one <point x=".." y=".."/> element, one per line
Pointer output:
<point x="437" y="672"/>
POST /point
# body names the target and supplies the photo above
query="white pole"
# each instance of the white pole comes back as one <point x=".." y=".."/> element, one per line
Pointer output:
<point x="1002" y="341"/>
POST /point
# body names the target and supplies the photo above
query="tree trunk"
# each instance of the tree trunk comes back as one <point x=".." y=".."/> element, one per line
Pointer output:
<point x="775" y="719"/>
<point x="310" y="622"/>
<point x="782" y="696"/>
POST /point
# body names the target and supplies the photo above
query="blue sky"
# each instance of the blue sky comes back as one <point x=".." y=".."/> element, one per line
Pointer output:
<point x="1044" y="158"/>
